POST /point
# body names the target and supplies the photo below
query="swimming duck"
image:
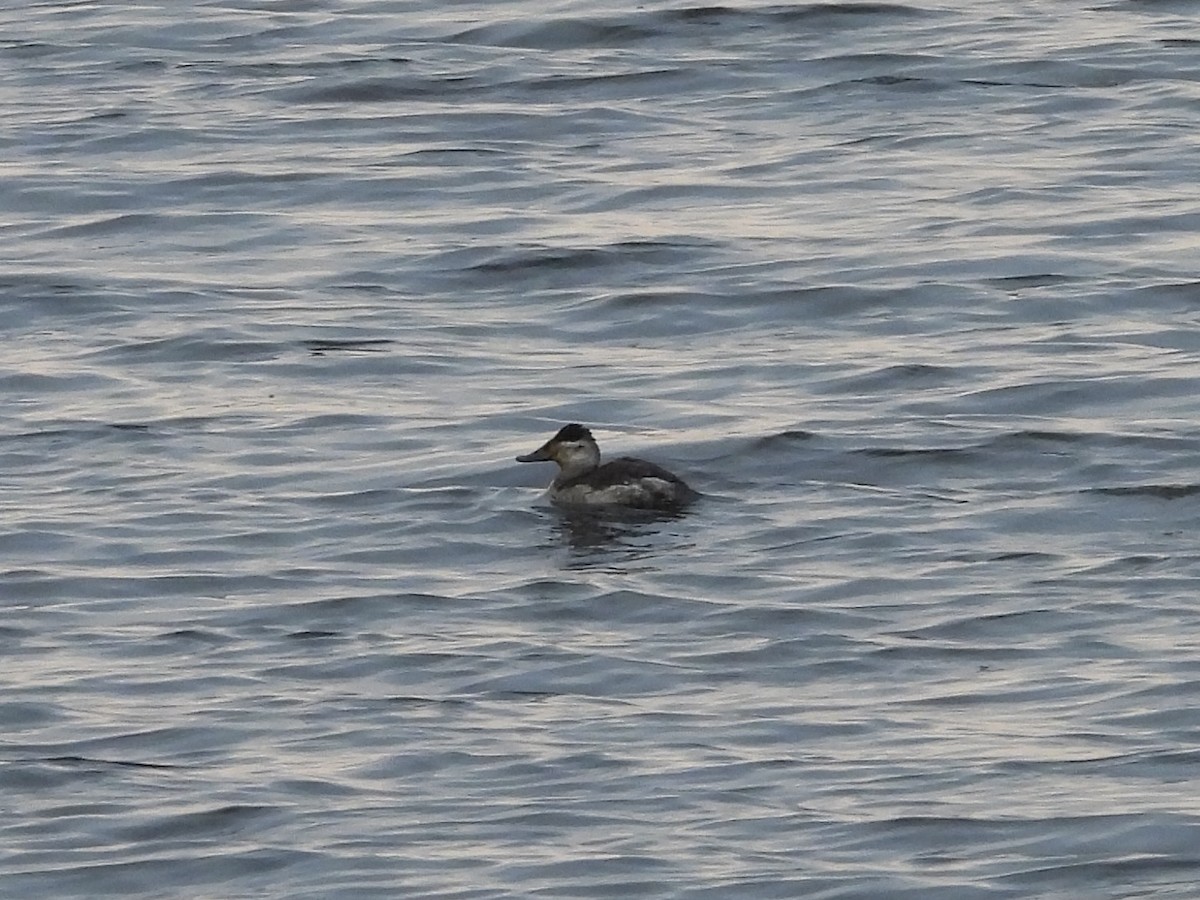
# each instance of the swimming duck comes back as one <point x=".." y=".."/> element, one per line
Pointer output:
<point x="624" y="482"/>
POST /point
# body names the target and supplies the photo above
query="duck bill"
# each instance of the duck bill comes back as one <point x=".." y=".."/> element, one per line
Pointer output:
<point x="543" y="453"/>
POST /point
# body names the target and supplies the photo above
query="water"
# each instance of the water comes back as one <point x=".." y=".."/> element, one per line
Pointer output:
<point x="908" y="291"/>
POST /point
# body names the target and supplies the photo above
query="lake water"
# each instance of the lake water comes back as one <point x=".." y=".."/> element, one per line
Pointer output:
<point x="910" y="292"/>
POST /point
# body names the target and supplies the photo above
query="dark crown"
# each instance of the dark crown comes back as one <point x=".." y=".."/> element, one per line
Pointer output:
<point x="573" y="432"/>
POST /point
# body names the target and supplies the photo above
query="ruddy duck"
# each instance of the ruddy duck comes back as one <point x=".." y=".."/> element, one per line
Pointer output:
<point x="623" y="482"/>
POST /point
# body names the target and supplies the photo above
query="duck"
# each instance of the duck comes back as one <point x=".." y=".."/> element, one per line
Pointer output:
<point x="625" y="482"/>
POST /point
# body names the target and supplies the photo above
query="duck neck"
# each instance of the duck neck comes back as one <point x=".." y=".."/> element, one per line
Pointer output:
<point x="580" y="462"/>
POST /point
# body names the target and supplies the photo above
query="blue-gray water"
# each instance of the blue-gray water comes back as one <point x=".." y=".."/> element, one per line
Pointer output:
<point x="909" y="291"/>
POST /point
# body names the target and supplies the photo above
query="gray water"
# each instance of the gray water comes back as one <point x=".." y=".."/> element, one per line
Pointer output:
<point x="908" y="291"/>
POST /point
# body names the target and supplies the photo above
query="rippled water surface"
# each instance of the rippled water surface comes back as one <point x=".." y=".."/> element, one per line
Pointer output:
<point x="909" y="292"/>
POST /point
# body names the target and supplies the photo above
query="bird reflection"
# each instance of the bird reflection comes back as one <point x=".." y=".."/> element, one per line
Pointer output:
<point x="597" y="539"/>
